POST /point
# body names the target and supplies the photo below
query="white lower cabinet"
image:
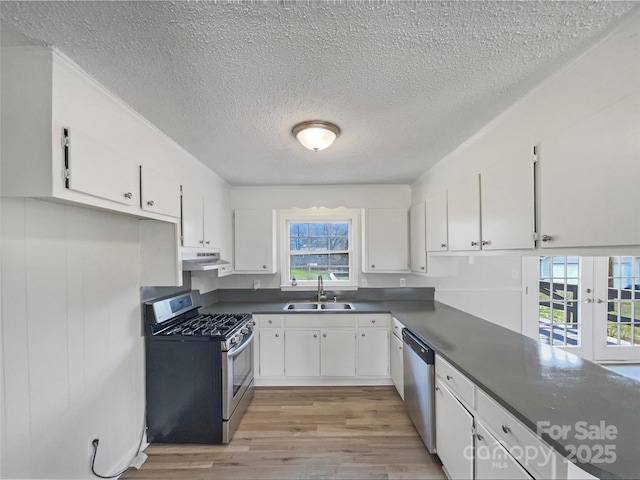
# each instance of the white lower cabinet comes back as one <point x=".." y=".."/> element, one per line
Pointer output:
<point x="454" y="434"/>
<point x="337" y="353"/>
<point x="271" y="356"/>
<point x="492" y="460"/>
<point x="319" y="348"/>
<point x="302" y="353"/>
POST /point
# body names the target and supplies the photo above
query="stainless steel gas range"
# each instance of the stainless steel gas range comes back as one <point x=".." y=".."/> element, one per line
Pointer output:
<point x="199" y="371"/>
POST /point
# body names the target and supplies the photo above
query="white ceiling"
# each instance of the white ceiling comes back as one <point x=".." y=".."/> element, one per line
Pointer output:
<point x="406" y="81"/>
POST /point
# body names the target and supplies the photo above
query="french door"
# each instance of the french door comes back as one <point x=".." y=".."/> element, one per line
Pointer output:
<point x="589" y="306"/>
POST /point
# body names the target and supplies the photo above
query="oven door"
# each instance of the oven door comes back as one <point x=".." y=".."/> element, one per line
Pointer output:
<point x="237" y="374"/>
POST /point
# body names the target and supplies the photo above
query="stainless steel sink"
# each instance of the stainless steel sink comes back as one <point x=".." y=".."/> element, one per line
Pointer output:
<point x="319" y="306"/>
<point x="302" y="306"/>
<point x="336" y="306"/>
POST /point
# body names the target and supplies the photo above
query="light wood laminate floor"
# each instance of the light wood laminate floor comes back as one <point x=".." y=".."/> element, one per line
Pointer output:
<point x="306" y="432"/>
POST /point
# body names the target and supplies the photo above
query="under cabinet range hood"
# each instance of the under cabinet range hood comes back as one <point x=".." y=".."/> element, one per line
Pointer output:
<point x="202" y="262"/>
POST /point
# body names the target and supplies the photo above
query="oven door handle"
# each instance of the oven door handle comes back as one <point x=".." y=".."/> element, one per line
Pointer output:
<point x="238" y="350"/>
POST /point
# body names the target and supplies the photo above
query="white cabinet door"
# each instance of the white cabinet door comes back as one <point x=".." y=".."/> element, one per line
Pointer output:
<point x="396" y="364"/>
<point x="338" y="353"/>
<point x="493" y="461"/>
<point x="436" y="220"/>
<point x="507" y="199"/>
<point x="589" y="177"/>
<point x="386" y="240"/>
<point x="211" y="223"/>
<point x="454" y="441"/>
<point x="373" y="352"/>
<point x="255" y="243"/>
<point x="192" y="214"/>
<point x="97" y="169"/>
<point x="271" y="355"/>
<point x="463" y="206"/>
<point x="417" y="225"/>
<point x="302" y="353"/>
<point x="160" y="193"/>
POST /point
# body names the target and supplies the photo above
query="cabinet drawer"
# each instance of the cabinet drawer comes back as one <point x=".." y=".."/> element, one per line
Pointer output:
<point x="535" y="455"/>
<point x="397" y="327"/>
<point x="374" y="320"/>
<point x="270" y="321"/>
<point x="456" y="381"/>
<point x="493" y="461"/>
<point x="320" y="320"/>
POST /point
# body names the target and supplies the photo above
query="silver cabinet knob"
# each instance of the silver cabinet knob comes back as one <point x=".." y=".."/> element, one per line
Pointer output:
<point x="362" y="334"/>
<point x="479" y="437"/>
<point x="277" y="335"/>
<point x="373" y="321"/>
<point x="324" y="335"/>
<point x="421" y="268"/>
<point x="443" y="245"/>
<point x="264" y="266"/>
<point x="208" y="242"/>
<point x="373" y="266"/>
<point x="202" y="242"/>
<point x="486" y="242"/>
<point x="546" y="238"/>
<point x="474" y="244"/>
<point x="128" y="195"/>
<point x="150" y="203"/>
<point x="599" y="300"/>
<point x="449" y="377"/>
<point x="506" y="429"/>
<point x="437" y="389"/>
<point x="315" y="335"/>
<point x="270" y="321"/>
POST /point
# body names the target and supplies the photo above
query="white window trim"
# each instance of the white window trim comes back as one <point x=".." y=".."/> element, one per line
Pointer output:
<point x="314" y="215"/>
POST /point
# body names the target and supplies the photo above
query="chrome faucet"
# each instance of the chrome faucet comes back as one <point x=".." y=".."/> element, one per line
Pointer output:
<point x="322" y="296"/>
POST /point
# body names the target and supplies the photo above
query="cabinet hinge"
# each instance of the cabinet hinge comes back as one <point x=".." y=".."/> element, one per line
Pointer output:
<point x="534" y="235"/>
<point x="534" y="156"/>
<point x="66" y="174"/>
<point x="66" y="141"/>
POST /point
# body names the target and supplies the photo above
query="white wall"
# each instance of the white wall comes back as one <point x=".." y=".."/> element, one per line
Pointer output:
<point x="72" y="345"/>
<point x="579" y="90"/>
<point x="287" y="197"/>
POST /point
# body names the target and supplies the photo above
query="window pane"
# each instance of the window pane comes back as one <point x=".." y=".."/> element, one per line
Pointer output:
<point x="339" y="243"/>
<point x="318" y="230"/>
<point x="339" y="229"/>
<point x="318" y="243"/>
<point x="558" y="301"/>
<point x="298" y="244"/>
<point x="330" y="267"/>
<point x="298" y="229"/>
<point x="623" y="307"/>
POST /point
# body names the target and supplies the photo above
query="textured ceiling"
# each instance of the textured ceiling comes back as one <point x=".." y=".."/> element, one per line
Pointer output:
<point x="406" y="81"/>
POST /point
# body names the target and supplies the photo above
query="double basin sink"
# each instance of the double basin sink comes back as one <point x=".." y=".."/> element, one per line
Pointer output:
<point x="319" y="306"/>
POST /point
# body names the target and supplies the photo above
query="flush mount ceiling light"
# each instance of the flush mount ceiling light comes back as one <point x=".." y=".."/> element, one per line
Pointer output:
<point x="316" y="135"/>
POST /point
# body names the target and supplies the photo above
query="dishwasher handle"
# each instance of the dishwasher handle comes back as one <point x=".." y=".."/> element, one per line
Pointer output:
<point x="426" y="353"/>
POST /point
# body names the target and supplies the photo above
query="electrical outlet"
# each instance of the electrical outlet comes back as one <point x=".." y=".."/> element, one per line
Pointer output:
<point x="256" y="284"/>
<point x="403" y="282"/>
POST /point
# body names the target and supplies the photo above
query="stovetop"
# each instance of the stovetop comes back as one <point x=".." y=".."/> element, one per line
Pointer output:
<point x="221" y="325"/>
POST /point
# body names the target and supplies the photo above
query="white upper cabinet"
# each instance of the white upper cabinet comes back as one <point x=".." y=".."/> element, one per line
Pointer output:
<point x="385" y="240"/>
<point x="436" y="219"/>
<point x="590" y="180"/>
<point x="507" y="203"/>
<point x="66" y="137"/>
<point x="255" y="241"/>
<point x="160" y="193"/>
<point x="417" y="226"/>
<point x="201" y="221"/>
<point x="463" y="207"/>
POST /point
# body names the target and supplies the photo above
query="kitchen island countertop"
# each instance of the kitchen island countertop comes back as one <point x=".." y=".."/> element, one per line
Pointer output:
<point x="534" y="382"/>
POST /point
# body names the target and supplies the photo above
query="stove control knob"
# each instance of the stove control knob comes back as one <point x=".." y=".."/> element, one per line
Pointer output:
<point x="234" y="340"/>
<point x="244" y="330"/>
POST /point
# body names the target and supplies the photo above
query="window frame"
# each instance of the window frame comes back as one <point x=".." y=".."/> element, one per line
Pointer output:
<point x="320" y="215"/>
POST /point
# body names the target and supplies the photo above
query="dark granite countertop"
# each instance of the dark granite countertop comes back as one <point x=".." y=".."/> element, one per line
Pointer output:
<point x="535" y="382"/>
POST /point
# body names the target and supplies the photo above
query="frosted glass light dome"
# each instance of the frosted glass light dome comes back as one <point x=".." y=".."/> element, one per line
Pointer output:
<point x="316" y="135"/>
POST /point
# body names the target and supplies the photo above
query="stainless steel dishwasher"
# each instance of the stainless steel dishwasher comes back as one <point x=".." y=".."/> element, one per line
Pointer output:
<point x="419" y="383"/>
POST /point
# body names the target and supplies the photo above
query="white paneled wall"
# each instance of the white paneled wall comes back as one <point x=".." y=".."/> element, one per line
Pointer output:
<point x="72" y="345"/>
